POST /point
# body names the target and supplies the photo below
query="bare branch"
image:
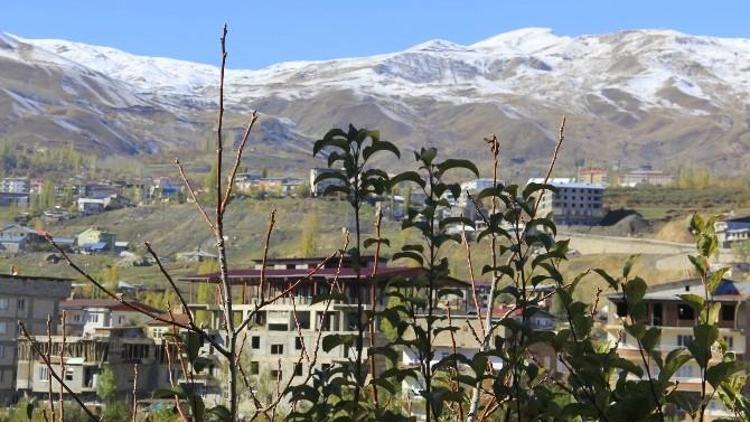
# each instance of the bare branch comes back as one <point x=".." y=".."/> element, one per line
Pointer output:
<point x="238" y="160"/>
<point x="194" y="195"/>
<point x="54" y="375"/>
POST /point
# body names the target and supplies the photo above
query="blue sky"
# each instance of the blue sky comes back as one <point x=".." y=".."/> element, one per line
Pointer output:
<point x="270" y="31"/>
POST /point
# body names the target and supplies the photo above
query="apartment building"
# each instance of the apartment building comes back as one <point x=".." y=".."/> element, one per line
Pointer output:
<point x="595" y="175"/>
<point x="84" y="316"/>
<point x="574" y="203"/>
<point x="646" y="176"/>
<point x="30" y="300"/>
<point x="15" y="185"/>
<point x="732" y="230"/>
<point x="677" y="319"/>
<point x="86" y="356"/>
<point x="278" y="333"/>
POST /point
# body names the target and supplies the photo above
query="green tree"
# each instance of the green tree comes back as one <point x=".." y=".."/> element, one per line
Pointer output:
<point x="308" y="242"/>
<point x="106" y="387"/>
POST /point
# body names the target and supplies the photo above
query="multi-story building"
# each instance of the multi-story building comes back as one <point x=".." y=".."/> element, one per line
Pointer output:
<point x="732" y="230"/>
<point x="84" y="316"/>
<point x="30" y="300"/>
<point x="574" y="203"/>
<point x="85" y="357"/>
<point x="15" y="185"/>
<point x="646" y="176"/>
<point x="676" y="319"/>
<point x="594" y="175"/>
<point x="277" y="335"/>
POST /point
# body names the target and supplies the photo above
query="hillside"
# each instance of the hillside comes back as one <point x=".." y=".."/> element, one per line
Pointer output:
<point x="632" y="98"/>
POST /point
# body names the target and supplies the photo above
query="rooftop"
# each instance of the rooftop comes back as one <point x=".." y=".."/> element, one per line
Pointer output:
<point x="728" y="290"/>
<point x="110" y="304"/>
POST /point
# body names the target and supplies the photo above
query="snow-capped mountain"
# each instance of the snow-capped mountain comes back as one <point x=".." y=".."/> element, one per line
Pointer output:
<point x="632" y="97"/>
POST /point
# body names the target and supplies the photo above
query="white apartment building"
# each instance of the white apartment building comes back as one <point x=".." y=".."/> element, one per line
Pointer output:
<point x="574" y="203"/>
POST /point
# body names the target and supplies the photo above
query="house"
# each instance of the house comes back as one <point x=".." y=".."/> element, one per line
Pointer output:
<point x="14" y="199"/>
<point x="574" y="203"/>
<point x="99" y="190"/>
<point x="16" y="238"/>
<point x="96" y="205"/>
<point x="732" y="230"/>
<point x="665" y="309"/>
<point x="594" y="175"/>
<point x="164" y="189"/>
<point x="197" y="255"/>
<point x="277" y="186"/>
<point x="95" y="239"/>
<point x="30" y="300"/>
<point x="117" y="349"/>
<point x="15" y="185"/>
<point x="646" y="176"/>
<point x="84" y="316"/>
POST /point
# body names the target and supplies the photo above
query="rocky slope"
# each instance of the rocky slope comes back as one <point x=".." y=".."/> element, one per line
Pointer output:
<point x="632" y="98"/>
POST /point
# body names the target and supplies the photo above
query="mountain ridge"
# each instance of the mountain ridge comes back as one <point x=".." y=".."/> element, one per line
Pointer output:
<point x="632" y="97"/>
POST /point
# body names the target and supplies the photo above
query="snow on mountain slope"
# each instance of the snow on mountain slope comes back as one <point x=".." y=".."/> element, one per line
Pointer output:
<point x="532" y="62"/>
<point x="640" y="84"/>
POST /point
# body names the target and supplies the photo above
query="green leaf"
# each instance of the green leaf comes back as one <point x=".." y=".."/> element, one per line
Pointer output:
<point x="634" y="290"/>
<point x="407" y="176"/>
<point x="695" y="301"/>
<point x="414" y="256"/>
<point x="675" y="360"/>
<point x="377" y="146"/>
<point x="534" y="187"/>
<point x="715" y="279"/>
<point x="614" y="284"/>
<point x="193" y="343"/>
<point x="705" y="336"/>
<point x="700" y="263"/>
<point x="169" y="393"/>
<point x="453" y="163"/>
<point x="720" y="372"/>
<point x="629" y="265"/>
<point x="651" y="338"/>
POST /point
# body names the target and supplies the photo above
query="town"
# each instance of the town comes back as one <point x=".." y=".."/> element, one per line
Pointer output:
<point x="97" y="339"/>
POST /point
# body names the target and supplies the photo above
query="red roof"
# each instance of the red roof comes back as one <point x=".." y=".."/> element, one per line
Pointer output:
<point x="111" y="304"/>
<point x="179" y="318"/>
<point x="345" y="274"/>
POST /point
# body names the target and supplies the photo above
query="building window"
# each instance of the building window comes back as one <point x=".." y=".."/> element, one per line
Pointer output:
<point x="685" y="371"/>
<point x="298" y="369"/>
<point x="93" y="318"/>
<point x="727" y="312"/>
<point x="3" y="303"/>
<point x="254" y="368"/>
<point x="21" y="304"/>
<point x="685" y="312"/>
<point x="298" y="343"/>
<point x="684" y="339"/>
<point x="43" y="373"/>
<point x="255" y="342"/>
<point x="656" y="314"/>
<point x="278" y="327"/>
<point x="3" y="327"/>
<point x="277" y="349"/>
<point x="622" y="309"/>
<point x="68" y="374"/>
<point x="275" y="374"/>
<point x="76" y="317"/>
<point x="729" y="341"/>
<point x="2" y="351"/>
